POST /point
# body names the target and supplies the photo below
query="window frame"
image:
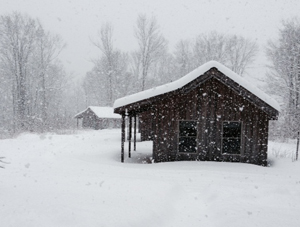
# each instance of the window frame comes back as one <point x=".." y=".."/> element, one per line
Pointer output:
<point x="196" y="137"/>
<point x="241" y="138"/>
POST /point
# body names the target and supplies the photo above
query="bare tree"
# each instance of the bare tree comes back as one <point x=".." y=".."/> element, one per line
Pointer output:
<point x="47" y="49"/>
<point x="93" y="88"/>
<point x="209" y="47"/>
<point x="18" y="34"/>
<point x="164" y="70"/>
<point x="284" y="74"/>
<point x="235" y="52"/>
<point x="30" y="71"/>
<point x="183" y="57"/>
<point x="58" y="109"/>
<point x="240" y="53"/>
<point x="109" y="77"/>
<point x="106" y="46"/>
<point x="6" y="102"/>
<point x="151" y="43"/>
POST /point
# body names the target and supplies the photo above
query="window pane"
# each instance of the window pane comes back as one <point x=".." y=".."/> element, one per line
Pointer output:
<point x="187" y="128"/>
<point x="232" y="129"/>
<point x="231" y="146"/>
<point x="187" y="144"/>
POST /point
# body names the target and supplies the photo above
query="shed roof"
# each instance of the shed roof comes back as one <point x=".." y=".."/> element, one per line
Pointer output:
<point x="197" y="73"/>
<point x="100" y="112"/>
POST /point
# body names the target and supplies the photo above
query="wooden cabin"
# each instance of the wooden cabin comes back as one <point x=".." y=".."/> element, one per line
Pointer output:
<point x="96" y="117"/>
<point x="210" y="114"/>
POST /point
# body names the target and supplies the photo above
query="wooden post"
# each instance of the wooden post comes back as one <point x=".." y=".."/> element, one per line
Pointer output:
<point x="297" y="146"/>
<point x="122" y="137"/>
<point x="134" y="133"/>
<point x="129" y="136"/>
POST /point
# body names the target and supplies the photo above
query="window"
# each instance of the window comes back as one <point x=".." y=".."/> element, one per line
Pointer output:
<point x="231" y="138"/>
<point x="187" y="136"/>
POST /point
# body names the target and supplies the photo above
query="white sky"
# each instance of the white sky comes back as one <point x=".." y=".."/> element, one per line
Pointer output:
<point x="79" y="20"/>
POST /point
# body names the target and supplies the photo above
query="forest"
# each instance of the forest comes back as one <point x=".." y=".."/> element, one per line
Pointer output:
<point x="37" y="94"/>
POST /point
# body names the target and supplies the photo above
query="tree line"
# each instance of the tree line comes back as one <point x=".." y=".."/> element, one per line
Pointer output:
<point x="36" y="93"/>
<point x="283" y="77"/>
<point x="116" y="73"/>
<point x="33" y="79"/>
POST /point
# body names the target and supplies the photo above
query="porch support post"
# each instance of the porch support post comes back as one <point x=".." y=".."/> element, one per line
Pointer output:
<point x="129" y="136"/>
<point x="134" y="133"/>
<point x="122" y="137"/>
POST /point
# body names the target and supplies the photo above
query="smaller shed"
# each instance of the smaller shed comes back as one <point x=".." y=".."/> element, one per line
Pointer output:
<point x="98" y="117"/>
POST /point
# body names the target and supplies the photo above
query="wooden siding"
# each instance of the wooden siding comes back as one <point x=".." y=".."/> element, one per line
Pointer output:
<point x="209" y="104"/>
<point x="146" y="125"/>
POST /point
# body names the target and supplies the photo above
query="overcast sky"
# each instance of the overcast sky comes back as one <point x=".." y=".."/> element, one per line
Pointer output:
<point x="79" y="20"/>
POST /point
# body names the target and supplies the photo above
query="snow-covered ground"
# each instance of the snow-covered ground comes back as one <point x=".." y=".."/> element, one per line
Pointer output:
<point x="78" y="180"/>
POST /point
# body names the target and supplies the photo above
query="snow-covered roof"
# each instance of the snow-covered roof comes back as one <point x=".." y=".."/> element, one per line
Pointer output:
<point x="192" y="76"/>
<point x="100" y="111"/>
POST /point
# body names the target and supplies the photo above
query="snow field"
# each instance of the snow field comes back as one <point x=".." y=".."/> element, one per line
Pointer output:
<point x="78" y="180"/>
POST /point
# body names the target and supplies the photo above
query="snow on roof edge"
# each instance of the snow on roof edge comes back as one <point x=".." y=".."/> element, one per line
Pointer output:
<point x="162" y="89"/>
<point x="101" y="112"/>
